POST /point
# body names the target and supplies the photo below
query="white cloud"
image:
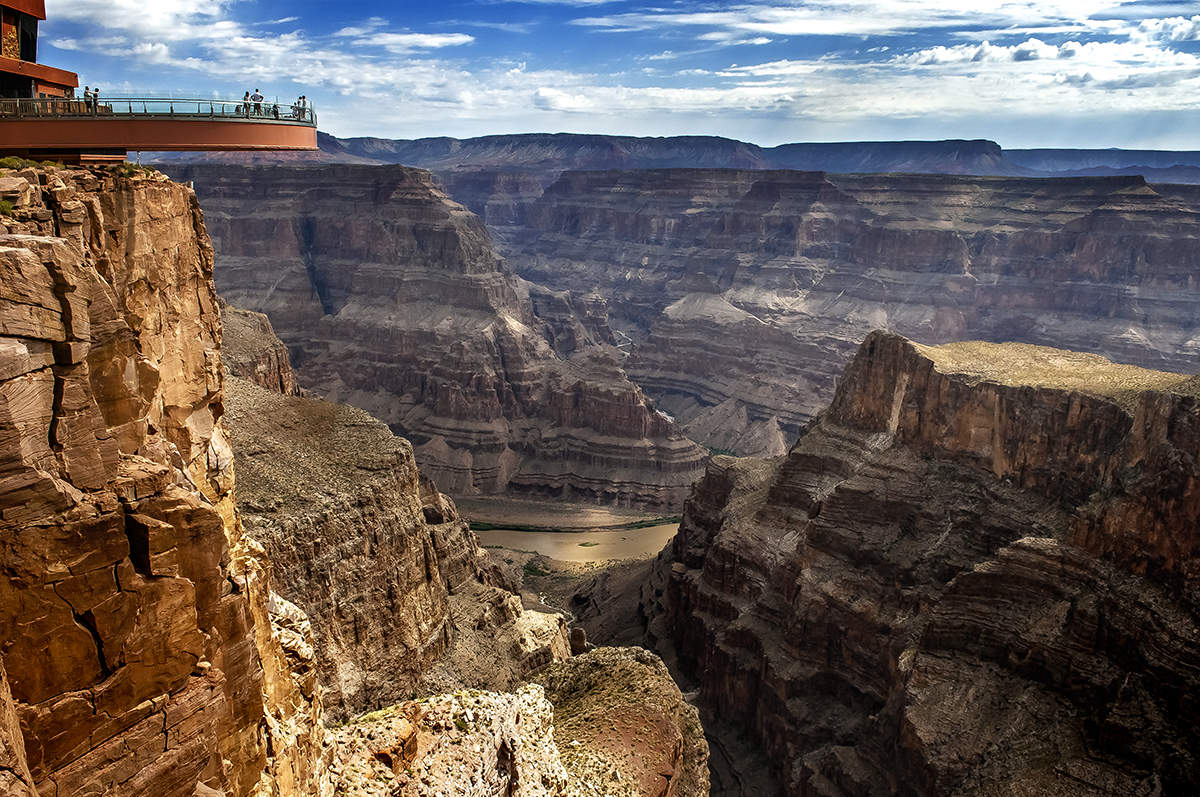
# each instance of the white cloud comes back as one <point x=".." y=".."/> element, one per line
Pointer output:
<point x="1171" y="29"/>
<point x="362" y="28"/>
<point x="404" y="43"/>
<point x="400" y="82"/>
<point x="551" y="99"/>
<point x="160" y="20"/>
<point x="853" y="17"/>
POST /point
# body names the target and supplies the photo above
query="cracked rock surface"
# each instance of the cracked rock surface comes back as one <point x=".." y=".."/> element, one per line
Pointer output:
<point x="139" y="653"/>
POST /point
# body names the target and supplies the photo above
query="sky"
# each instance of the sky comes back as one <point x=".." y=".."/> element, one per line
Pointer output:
<point x="1025" y="73"/>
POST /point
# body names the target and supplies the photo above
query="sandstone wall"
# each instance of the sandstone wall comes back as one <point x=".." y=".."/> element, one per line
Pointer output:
<point x="251" y="350"/>
<point x="398" y="590"/>
<point x="756" y="286"/>
<point x="392" y="299"/>
<point x="975" y="574"/>
<point x="135" y="615"/>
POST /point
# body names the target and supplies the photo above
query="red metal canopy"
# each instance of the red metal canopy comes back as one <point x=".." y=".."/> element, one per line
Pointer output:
<point x="35" y="8"/>
<point x="49" y="74"/>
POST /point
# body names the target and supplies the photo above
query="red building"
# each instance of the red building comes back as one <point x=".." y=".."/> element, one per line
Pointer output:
<point x="20" y="73"/>
<point x="42" y="117"/>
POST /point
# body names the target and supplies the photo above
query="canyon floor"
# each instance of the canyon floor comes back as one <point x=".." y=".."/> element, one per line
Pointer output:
<point x="555" y="550"/>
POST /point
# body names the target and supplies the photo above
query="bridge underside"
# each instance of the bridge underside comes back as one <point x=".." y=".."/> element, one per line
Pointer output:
<point x="111" y="138"/>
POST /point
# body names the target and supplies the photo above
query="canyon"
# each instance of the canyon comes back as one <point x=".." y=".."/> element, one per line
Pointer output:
<point x="148" y="646"/>
<point x="733" y="298"/>
<point x="233" y="562"/>
<point x="745" y="293"/>
<point x="391" y="298"/>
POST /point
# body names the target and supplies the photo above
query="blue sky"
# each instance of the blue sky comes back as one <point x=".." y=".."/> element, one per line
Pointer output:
<point x="1026" y="73"/>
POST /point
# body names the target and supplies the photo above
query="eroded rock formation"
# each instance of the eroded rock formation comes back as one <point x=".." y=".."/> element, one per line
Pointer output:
<point x="377" y="557"/>
<point x="250" y="350"/>
<point x="143" y="653"/>
<point x="746" y="292"/>
<point x="618" y="710"/>
<point x="390" y="297"/>
<point x="610" y="723"/>
<point x="976" y="573"/>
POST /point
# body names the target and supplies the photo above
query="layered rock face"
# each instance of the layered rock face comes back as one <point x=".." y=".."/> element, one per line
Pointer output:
<point x="391" y="298"/>
<point x="976" y="573"/>
<point x="500" y="177"/>
<point x="389" y="574"/>
<point x="142" y="651"/>
<point x="747" y="291"/>
<point x="251" y="350"/>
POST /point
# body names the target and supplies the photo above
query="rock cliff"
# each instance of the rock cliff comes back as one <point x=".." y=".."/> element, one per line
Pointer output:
<point x="390" y="297"/>
<point x="746" y="292"/>
<point x="250" y="350"/>
<point x="976" y="573"/>
<point x="143" y="650"/>
<point x="391" y="577"/>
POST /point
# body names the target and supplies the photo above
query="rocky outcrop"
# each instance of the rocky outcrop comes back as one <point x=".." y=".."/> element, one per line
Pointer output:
<point x="756" y="286"/>
<point x="142" y="653"/>
<point x="611" y="723"/>
<point x="468" y="743"/>
<point x="391" y="298"/>
<point x="976" y="573"/>
<point x="618" y="710"/>
<point x="376" y="556"/>
<point x="251" y="351"/>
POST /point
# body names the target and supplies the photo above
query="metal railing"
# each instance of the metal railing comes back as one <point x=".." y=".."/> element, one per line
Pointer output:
<point x="156" y="108"/>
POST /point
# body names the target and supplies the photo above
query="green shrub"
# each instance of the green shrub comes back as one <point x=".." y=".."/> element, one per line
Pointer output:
<point x="533" y="570"/>
<point x="6" y="207"/>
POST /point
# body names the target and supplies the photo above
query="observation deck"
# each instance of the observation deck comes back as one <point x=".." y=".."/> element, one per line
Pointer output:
<point x="74" y="129"/>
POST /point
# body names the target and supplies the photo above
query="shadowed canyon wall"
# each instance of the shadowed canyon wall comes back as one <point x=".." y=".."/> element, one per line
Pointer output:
<point x="976" y="573"/>
<point x="390" y="297"/>
<point x="746" y="292"/>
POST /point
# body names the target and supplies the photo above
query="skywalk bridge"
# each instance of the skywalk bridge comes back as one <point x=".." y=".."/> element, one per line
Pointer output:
<point x="75" y="129"/>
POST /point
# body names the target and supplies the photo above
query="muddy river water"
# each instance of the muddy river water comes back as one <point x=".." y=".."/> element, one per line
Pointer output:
<point x="582" y="538"/>
<point x="584" y="546"/>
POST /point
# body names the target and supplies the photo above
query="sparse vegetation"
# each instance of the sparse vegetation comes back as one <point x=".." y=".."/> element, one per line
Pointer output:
<point x="127" y="169"/>
<point x="1027" y="365"/>
<point x="533" y="571"/>
<point x="6" y="207"/>
<point x="13" y="162"/>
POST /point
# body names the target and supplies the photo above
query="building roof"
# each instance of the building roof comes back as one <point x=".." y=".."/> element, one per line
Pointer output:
<point x="49" y="74"/>
<point x="35" y="8"/>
